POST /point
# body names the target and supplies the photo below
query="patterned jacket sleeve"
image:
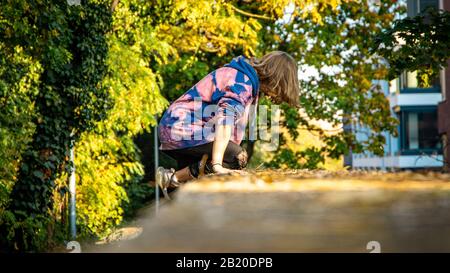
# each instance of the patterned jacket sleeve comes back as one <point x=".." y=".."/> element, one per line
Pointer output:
<point x="232" y="102"/>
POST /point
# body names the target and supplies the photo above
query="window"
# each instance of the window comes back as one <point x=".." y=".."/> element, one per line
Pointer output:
<point x="413" y="6"/>
<point x="424" y="4"/>
<point x="409" y="80"/>
<point x="442" y="83"/>
<point x="393" y="86"/>
<point x="412" y="131"/>
<point x="419" y="130"/>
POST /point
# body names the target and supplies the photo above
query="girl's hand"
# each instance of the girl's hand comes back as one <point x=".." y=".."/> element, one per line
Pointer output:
<point x="219" y="169"/>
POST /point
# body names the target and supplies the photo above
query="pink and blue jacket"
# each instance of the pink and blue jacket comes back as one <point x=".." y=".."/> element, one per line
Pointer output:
<point x="224" y="96"/>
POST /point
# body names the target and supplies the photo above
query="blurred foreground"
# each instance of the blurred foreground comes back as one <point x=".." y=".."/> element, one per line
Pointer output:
<point x="297" y="211"/>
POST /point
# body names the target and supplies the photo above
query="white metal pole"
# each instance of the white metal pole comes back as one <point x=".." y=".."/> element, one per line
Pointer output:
<point x="156" y="153"/>
<point x="72" y="200"/>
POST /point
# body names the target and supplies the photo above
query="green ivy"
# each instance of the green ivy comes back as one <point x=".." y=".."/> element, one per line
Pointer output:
<point x="68" y="45"/>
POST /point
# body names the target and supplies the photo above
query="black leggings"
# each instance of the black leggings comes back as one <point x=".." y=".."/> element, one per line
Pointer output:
<point x="235" y="157"/>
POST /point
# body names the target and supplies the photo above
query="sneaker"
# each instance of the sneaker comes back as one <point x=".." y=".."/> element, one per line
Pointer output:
<point x="164" y="180"/>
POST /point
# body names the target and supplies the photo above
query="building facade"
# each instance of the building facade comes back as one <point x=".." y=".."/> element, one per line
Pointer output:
<point x="444" y="105"/>
<point x="423" y="115"/>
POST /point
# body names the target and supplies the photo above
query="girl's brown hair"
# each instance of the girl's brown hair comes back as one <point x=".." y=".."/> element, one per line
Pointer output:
<point x="278" y="76"/>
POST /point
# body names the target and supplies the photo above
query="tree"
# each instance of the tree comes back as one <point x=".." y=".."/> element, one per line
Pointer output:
<point x="93" y="76"/>
<point x="342" y="88"/>
<point x="86" y="76"/>
<point x="420" y="43"/>
<point x="63" y="51"/>
<point x="250" y="30"/>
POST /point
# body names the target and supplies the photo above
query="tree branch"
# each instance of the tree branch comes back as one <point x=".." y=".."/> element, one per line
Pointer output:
<point x="114" y="4"/>
<point x="250" y="14"/>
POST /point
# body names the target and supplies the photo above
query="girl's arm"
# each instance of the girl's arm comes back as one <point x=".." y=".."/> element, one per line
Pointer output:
<point x="222" y="137"/>
<point x="231" y="106"/>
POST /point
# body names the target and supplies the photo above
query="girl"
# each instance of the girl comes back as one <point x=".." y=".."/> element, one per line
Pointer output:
<point x="203" y="128"/>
